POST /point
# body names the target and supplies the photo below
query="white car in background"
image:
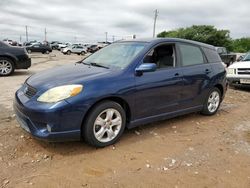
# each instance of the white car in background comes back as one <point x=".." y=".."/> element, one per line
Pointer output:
<point x="239" y="72"/>
<point x="75" y="49"/>
<point x="61" y="45"/>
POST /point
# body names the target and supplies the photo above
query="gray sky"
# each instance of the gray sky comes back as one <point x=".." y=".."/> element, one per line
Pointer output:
<point x="87" y="21"/>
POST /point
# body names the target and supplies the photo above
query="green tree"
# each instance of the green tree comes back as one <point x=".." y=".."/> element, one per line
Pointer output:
<point x="241" y="45"/>
<point x="202" y="33"/>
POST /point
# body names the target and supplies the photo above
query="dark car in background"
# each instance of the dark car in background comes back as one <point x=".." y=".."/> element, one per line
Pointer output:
<point x="12" y="58"/>
<point x="125" y="84"/>
<point x="38" y="47"/>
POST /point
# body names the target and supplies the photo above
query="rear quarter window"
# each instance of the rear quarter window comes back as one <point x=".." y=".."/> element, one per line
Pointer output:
<point x="212" y="55"/>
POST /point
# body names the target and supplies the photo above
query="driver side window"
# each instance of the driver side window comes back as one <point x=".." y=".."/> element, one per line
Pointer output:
<point x="163" y="56"/>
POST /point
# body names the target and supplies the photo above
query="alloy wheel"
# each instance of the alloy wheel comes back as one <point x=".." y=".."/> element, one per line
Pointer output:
<point x="107" y="125"/>
<point x="213" y="101"/>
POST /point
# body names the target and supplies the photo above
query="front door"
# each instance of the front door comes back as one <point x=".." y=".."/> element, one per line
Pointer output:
<point x="159" y="92"/>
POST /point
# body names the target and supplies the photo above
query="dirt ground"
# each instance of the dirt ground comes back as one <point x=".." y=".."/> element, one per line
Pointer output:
<point x="188" y="151"/>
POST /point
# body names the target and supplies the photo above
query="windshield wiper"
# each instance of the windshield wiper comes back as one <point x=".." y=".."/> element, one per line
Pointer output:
<point x="98" y="65"/>
<point x="95" y="64"/>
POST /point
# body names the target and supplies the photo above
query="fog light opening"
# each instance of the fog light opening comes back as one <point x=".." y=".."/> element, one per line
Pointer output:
<point x="48" y="128"/>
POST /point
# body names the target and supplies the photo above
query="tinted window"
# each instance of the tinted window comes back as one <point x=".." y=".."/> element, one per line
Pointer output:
<point x="163" y="56"/>
<point x="212" y="55"/>
<point x="191" y="55"/>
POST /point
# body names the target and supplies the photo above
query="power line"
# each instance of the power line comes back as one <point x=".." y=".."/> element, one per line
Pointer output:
<point x="45" y="34"/>
<point x="155" y="17"/>
<point x="26" y="33"/>
<point x="106" y="34"/>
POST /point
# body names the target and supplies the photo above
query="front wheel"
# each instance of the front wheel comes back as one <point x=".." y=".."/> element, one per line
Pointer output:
<point x="105" y="124"/>
<point x="212" y="102"/>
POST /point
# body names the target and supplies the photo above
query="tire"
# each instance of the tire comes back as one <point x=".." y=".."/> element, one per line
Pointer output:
<point x="47" y="51"/>
<point x="108" y="133"/>
<point x="82" y="53"/>
<point x="29" y="51"/>
<point x="68" y="52"/>
<point x="7" y="66"/>
<point x="212" y="102"/>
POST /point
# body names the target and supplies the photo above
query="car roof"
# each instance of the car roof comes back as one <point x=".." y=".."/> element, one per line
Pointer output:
<point x="158" y="40"/>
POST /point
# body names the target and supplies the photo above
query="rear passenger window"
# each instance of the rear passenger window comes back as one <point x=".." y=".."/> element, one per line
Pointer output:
<point x="191" y="55"/>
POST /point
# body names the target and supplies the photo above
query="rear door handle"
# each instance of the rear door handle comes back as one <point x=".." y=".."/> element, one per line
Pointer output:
<point x="176" y="74"/>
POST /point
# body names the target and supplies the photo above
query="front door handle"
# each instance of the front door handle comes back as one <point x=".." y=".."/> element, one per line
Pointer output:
<point x="207" y="71"/>
<point x="176" y="74"/>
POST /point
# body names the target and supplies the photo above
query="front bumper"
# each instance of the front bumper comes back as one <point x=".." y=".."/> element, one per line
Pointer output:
<point x="51" y="122"/>
<point x="237" y="80"/>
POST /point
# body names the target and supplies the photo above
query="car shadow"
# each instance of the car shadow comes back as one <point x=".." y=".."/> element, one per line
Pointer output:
<point x="128" y="139"/>
<point x="22" y="73"/>
<point x="242" y="87"/>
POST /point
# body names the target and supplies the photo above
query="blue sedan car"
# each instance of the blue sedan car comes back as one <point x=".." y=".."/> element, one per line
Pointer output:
<point x="125" y="84"/>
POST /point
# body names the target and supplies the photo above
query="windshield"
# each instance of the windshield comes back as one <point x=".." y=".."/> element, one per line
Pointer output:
<point x="247" y="57"/>
<point x="118" y="55"/>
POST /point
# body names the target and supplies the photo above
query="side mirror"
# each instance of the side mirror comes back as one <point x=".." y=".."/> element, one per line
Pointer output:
<point x="146" y="67"/>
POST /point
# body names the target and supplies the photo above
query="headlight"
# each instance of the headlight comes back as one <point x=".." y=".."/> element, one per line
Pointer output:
<point x="59" y="93"/>
<point x="230" y="71"/>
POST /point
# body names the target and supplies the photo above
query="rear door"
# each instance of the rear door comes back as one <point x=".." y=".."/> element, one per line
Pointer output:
<point x="197" y="73"/>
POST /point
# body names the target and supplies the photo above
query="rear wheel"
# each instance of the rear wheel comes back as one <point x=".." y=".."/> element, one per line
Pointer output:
<point x="47" y="51"/>
<point x="82" y="53"/>
<point x="212" y="103"/>
<point x="68" y="52"/>
<point x="105" y="124"/>
<point x="29" y="51"/>
<point x="6" y="67"/>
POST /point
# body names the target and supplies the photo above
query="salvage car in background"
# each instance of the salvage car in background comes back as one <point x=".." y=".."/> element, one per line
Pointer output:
<point x="239" y="72"/>
<point x="93" y="48"/>
<point x="125" y="84"/>
<point x="227" y="57"/>
<point x="75" y="49"/>
<point x="45" y="49"/>
<point x="12" y="58"/>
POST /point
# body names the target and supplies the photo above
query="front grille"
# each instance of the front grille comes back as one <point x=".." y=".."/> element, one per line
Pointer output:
<point x="244" y="71"/>
<point x="29" y="91"/>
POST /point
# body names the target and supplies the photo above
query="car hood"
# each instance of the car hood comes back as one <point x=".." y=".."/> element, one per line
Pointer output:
<point x="69" y="74"/>
<point x="241" y="64"/>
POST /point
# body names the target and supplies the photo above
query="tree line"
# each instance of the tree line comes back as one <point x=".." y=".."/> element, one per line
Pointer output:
<point x="210" y="35"/>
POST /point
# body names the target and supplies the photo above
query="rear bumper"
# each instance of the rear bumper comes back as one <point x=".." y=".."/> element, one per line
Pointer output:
<point x="23" y="63"/>
<point x="50" y="122"/>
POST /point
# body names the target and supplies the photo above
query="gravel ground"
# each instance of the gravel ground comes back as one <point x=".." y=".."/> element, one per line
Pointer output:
<point x="188" y="151"/>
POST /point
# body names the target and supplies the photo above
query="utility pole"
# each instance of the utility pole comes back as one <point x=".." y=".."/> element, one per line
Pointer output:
<point x="106" y="34"/>
<point x="27" y="36"/>
<point x="155" y="17"/>
<point x="20" y="39"/>
<point x="113" y="37"/>
<point x="45" y="34"/>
